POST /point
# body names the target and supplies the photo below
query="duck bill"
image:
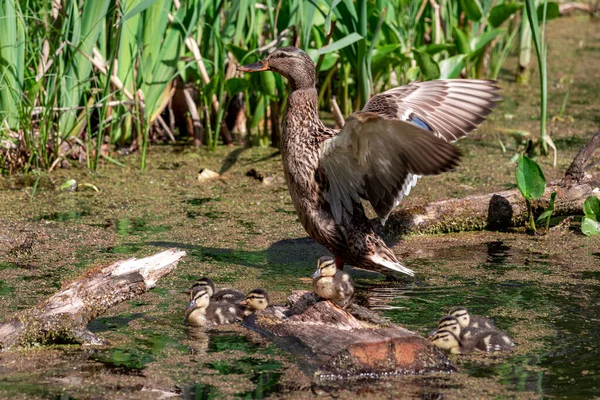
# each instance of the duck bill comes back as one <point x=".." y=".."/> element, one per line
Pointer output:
<point x="256" y="67"/>
<point x="190" y="306"/>
<point x="244" y="302"/>
<point x="316" y="274"/>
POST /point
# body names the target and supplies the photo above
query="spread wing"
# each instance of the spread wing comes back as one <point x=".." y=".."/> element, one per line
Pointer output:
<point x="400" y="135"/>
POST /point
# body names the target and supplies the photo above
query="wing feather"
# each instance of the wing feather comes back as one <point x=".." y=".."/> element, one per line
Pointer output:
<point x="383" y="150"/>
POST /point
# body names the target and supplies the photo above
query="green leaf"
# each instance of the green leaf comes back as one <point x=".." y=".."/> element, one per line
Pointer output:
<point x="70" y="184"/>
<point x="141" y="6"/>
<point x="472" y="9"/>
<point x="451" y="68"/>
<point x="340" y="44"/>
<point x="480" y="42"/>
<point x="591" y="208"/>
<point x="236" y="85"/>
<point x="462" y="42"/>
<point x="549" y="210"/>
<point x="429" y="68"/>
<point x="268" y="84"/>
<point x="590" y="227"/>
<point x="552" y="11"/>
<point x="502" y="12"/>
<point x="241" y="55"/>
<point x="436" y="48"/>
<point x="530" y="178"/>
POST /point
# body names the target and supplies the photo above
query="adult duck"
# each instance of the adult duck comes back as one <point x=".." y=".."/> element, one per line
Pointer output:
<point x="378" y="155"/>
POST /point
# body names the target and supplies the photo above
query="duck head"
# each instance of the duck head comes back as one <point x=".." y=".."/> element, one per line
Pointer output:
<point x="450" y="324"/>
<point x="203" y="283"/>
<point x="257" y="300"/>
<point x="325" y="267"/>
<point x="446" y="341"/>
<point x="462" y="315"/>
<point x="200" y="300"/>
<point x="291" y="62"/>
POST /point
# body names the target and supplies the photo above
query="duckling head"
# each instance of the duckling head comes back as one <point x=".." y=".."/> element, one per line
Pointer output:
<point x="325" y="267"/>
<point x="446" y="341"/>
<point x="200" y="300"/>
<point x="450" y="324"/>
<point x="257" y="300"/>
<point x="292" y="63"/>
<point x="204" y="283"/>
<point x="462" y="315"/>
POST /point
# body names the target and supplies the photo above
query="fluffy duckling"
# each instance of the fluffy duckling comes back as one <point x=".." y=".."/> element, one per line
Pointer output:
<point x="228" y="295"/>
<point x="465" y="340"/>
<point x="202" y="312"/>
<point x="333" y="284"/>
<point x="256" y="300"/>
<point x="471" y="321"/>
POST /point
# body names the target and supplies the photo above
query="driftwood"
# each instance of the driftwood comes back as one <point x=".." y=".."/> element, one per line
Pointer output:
<point x="332" y="345"/>
<point x="63" y="317"/>
<point x="500" y="210"/>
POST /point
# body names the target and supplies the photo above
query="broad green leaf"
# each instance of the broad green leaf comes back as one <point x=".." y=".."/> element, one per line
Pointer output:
<point x="268" y="84"/>
<point x="429" y="68"/>
<point x="462" y="42"/>
<point x="530" y="178"/>
<point x="241" y="55"/>
<point x="480" y="42"/>
<point x="472" y="9"/>
<point x="502" y="12"/>
<point x="259" y="113"/>
<point x="340" y="44"/>
<point x="436" y="48"/>
<point x="236" y="85"/>
<point x="591" y="208"/>
<point x="451" y="68"/>
<point x="552" y="11"/>
<point x="590" y="227"/>
<point x="329" y="61"/>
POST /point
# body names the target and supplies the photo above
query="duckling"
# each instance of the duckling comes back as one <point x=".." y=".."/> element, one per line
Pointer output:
<point x="471" y="321"/>
<point x="226" y="294"/>
<point x="471" y="338"/>
<point x="202" y="312"/>
<point x="256" y="300"/>
<point x="448" y="341"/>
<point x="333" y="284"/>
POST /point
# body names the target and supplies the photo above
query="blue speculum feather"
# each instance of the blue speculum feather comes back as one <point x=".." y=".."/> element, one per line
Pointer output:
<point x="419" y="122"/>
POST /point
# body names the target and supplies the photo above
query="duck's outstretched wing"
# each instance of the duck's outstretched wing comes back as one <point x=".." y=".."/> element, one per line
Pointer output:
<point x="399" y="135"/>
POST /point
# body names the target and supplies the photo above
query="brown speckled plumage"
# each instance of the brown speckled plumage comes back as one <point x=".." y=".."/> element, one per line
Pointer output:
<point x="378" y="155"/>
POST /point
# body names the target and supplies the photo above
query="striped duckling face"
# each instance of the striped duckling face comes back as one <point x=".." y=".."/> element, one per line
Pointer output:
<point x="325" y="267"/>
<point x="462" y="315"/>
<point x="200" y="300"/>
<point x="450" y="324"/>
<point x="257" y="300"/>
<point x="446" y="341"/>
<point x="203" y="283"/>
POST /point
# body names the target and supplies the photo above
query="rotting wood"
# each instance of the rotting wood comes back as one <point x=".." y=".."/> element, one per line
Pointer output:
<point x="64" y="316"/>
<point x="332" y="345"/>
<point x="501" y="210"/>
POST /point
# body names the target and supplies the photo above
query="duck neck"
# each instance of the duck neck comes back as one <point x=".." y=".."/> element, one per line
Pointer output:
<point x="302" y="113"/>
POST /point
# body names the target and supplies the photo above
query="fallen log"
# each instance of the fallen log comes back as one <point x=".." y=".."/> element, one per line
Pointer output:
<point x="501" y="210"/>
<point x="332" y="345"/>
<point x="63" y="317"/>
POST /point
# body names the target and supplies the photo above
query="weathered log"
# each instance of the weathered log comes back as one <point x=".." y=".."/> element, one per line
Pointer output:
<point x="64" y="316"/>
<point x="332" y="345"/>
<point x="499" y="210"/>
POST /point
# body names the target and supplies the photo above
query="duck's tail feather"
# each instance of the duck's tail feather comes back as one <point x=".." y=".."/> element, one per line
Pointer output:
<point x="393" y="265"/>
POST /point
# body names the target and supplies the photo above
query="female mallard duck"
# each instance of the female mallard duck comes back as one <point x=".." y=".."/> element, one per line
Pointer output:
<point x="202" y="312"/>
<point x="470" y="321"/>
<point x="378" y="155"/>
<point x="226" y="294"/>
<point x="256" y="300"/>
<point x="333" y="284"/>
<point x="452" y="337"/>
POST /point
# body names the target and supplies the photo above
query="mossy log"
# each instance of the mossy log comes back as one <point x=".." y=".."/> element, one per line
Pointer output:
<point x="332" y="345"/>
<point x="501" y="210"/>
<point x="64" y="316"/>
